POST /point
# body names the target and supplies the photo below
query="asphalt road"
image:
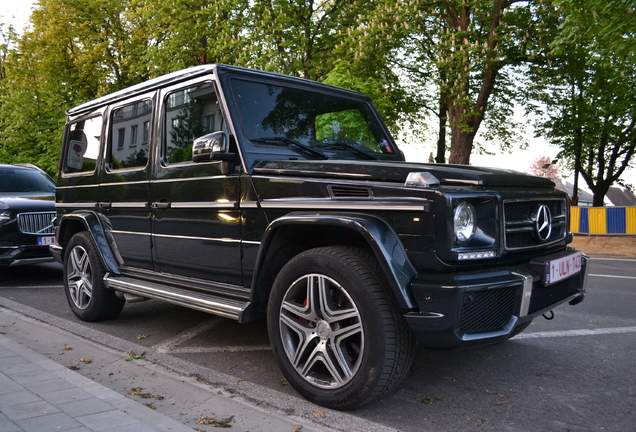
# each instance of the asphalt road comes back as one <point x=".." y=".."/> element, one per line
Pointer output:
<point x="573" y="373"/>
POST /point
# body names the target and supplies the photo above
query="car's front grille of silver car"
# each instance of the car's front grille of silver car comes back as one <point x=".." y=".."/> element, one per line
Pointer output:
<point x="36" y="223"/>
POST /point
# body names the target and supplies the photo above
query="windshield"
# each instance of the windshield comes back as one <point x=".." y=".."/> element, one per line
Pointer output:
<point x="22" y="180"/>
<point x="311" y="125"/>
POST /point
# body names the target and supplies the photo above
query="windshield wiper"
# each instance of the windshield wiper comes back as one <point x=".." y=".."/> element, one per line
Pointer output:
<point x="287" y="141"/>
<point x="352" y="148"/>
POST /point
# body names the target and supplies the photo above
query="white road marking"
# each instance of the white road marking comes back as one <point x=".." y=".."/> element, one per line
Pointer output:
<point x="570" y="333"/>
<point x="612" y="276"/>
<point x="165" y="346"/>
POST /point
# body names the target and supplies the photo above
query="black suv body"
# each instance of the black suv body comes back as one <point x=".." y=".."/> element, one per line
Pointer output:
<point x="27" y="210"/>
<point x="253" y="195"/>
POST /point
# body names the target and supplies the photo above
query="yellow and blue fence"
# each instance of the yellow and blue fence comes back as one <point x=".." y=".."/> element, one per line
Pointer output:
<point x="603" y="220"/>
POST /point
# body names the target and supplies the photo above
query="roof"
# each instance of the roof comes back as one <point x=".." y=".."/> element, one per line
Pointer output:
<point x="620" y="197"/>
<point x="143" y="86"/>
<point x="568" y="188"/>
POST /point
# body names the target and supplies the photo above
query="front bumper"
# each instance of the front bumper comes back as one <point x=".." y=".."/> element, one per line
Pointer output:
<point x="22" y="255"/>
<point x="484" y="307"/>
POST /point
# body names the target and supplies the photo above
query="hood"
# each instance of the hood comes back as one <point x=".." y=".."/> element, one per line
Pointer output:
<point x="28" y="202"/>
<point x="396" y="172"/>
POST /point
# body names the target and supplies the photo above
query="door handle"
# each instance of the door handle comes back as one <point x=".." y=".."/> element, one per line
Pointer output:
<point x="104" y="205"/>
<point x="160" y="205"/>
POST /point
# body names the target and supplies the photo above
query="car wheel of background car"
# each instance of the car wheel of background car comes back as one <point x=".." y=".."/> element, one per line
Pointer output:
<point x="84" y="272"/>
<point x="337" y="333"/>
<point x="519" y="329"/>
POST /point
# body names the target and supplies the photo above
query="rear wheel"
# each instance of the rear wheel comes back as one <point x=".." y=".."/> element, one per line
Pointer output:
<point x="337" y="332"/>
<point x="84" y="273"/>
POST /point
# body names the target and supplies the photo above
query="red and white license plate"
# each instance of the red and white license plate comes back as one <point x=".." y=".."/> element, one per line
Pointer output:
<point x="562" y="268"/>
<point x="46" y="241"/>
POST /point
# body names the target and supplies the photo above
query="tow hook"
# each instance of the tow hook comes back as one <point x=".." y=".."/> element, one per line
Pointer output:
<point x="550" y="316"/>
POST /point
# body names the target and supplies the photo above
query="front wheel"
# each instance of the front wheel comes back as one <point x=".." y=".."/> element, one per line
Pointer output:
<point x="337" y="332"/>
<point x="84" y="273"/>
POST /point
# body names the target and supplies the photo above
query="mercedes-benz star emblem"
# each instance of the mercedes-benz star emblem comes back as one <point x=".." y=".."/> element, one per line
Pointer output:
<point x="543" y="222"/>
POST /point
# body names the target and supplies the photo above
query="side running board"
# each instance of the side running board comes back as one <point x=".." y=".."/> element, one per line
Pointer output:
<point x="223" y="306"/>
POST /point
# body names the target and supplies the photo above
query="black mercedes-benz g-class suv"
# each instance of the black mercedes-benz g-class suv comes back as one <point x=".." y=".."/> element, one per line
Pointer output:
<point x="254" y="195"/>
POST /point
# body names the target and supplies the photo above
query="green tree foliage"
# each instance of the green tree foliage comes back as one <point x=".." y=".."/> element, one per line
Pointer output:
<point x="177" y="34"/>
<point x="463" y="60"/>
<point x="586" y="89"/>
<point x="75" y="51"/>
<point x="469" y="50"/>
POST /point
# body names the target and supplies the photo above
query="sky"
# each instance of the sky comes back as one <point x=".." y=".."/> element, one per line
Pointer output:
<point x="17" y="12"/>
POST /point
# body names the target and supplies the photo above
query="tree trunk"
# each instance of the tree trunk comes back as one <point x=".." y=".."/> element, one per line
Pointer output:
<point x="461" y="146"/>
<point x="599" y="194"/>
<point x="441" y="140"/>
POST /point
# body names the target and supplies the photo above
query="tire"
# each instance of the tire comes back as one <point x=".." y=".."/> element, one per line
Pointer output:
<point x="84" y="286"/>
<point x="518" y="329"/>
<point x="337" y="332"/>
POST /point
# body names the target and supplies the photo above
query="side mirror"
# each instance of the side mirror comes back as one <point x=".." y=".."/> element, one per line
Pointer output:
<point x="212" y="147"/>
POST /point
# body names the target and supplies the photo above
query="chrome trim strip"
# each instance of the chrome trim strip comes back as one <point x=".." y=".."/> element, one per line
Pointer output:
<point x="129" y="205"/>
<point x="169" y="180"/>
<point x="527" y="293"/>
<point x="204" y="205"/>
<point x="265" y="171"/>
<point x="131" y="233"/>
<point x="257" y="243"/>
<point x="125" y="183"/>
<point x="78" y="186"/>
<point x="248" y="204"/>
<point x="222" y="240"/>
<point x="328" y="203"/>
<point x="207" y="305"/>
<point x="76" y="205"/>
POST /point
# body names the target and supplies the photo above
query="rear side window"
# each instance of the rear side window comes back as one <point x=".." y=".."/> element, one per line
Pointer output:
<point x="129" y="135"/>
<point x="82" y="146"/>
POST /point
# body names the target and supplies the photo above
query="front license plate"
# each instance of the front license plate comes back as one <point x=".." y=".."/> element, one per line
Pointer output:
<point x="46" y="241"/>
<point x="562" y="268"/>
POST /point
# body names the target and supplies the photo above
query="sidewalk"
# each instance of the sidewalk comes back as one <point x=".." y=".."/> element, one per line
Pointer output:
<point x="41" y="395"/>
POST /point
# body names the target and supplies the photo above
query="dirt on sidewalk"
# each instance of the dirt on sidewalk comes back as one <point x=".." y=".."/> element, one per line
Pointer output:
<point x="606" y="245"/>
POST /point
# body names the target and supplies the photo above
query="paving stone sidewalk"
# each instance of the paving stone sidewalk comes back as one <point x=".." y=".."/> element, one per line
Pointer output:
<point x="39" y="395"/>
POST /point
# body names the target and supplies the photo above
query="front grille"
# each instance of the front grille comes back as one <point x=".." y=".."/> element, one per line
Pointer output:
<point x="487" y="310"/>
<point x="543" y="297"/>
<point x="520" y="227"/>
<point x="36" y="223"/>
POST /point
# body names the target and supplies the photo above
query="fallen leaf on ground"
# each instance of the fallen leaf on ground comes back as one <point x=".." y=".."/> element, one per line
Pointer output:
<point x="320" y="415"/>
<point x="223" y="423"/>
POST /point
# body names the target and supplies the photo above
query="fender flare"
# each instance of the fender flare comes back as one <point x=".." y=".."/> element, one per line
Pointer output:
<point x="100" y="229"/>
<point x="382" y="239"/>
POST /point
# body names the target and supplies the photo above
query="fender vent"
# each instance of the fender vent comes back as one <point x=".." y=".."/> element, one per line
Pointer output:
<point x="350" y="192"/>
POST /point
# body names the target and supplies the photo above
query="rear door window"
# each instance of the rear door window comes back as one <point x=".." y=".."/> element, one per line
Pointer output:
<point x="129" y="132"/>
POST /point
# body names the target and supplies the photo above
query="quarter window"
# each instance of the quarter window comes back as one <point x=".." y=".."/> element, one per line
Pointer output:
<point x="82" y="145"/>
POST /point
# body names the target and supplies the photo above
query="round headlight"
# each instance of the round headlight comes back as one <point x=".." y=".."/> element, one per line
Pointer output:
<point x="464" y="222"/>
